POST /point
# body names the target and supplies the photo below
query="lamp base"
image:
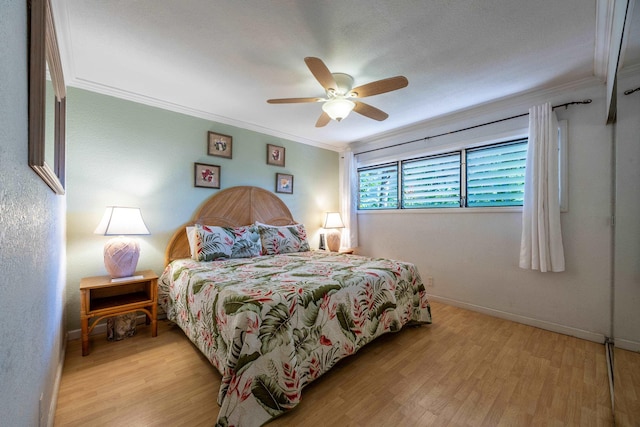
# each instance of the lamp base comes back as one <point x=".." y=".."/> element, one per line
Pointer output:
<point x="121" y="256"/>
<point x="333" y="240"/>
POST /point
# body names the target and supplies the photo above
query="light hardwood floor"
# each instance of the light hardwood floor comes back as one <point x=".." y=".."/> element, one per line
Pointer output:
<point x="466" y="369"/>
<point x="627" y="382"/>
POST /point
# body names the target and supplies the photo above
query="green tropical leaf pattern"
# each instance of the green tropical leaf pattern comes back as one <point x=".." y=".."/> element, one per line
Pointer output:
<point x="213" y="243"/>
<point x="274" y="331"/>
<point x="346" y="323"/>
<point x="274" y="323"/>
<point x="245" y="360"/>
<point x="306" y="341"/>
<point x="316" y="294"/>
<point x="269" y="395"/>
<point x="282" y="240"/>
<point x="234" y="304"/>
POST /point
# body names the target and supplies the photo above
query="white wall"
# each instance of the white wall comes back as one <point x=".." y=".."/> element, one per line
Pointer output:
<point x="626" y="327"/>
<point x="32" y="253"/>
<point x="473" y="255"/>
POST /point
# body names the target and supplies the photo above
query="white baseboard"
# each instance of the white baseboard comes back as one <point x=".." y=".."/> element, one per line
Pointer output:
<point x="51" y="416"/>
<point x="542" y="324"/>
<point x="627" y="344"/>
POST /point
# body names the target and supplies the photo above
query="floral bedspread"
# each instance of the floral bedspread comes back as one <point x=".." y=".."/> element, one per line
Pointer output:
<point x="272" y="324"/>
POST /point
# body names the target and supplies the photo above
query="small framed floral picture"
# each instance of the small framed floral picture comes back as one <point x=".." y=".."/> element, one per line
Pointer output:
<point x="284" y="183"/>
<point x="220" y="145"/>
<point x="206" y="175"/>
<point x="275" y="155"/>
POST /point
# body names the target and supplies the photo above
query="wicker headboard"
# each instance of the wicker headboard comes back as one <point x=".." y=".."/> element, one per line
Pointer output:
<point x="232" y="207"/>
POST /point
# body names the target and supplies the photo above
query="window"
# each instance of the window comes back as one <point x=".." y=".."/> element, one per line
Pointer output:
<point x="485" y="176"/>
<point x="495" y="174"/>
<point x="431" y="182"/>
<point x="378" y="187"/>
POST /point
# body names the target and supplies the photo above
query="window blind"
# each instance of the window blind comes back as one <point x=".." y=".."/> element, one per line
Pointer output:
<point x="431" y="182"/>
<point x="495" y="174"/>
<point x="378" y="187"/>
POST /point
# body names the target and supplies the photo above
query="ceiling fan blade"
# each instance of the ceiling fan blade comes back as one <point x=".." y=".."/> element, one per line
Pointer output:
<point x="380" y="86"/>
<point x="323" y="120"/>
<point x="321" y="73"/>
<point x="293" y="100"/>
<point x="369" y="111"/>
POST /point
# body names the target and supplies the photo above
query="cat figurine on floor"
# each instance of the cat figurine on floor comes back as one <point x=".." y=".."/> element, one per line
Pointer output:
<point x="120" y="327"/>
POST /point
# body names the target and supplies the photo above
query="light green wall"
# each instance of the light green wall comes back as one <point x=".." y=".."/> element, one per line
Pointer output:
<point x="31" y="248"/>
<point x="124" y="153"/>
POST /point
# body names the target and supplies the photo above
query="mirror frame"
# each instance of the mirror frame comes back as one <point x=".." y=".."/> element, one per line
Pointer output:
<point x="43" y="50"/>
<point x="620" y="21"/>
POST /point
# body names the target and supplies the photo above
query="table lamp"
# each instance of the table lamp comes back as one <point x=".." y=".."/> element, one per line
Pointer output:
<point x="332" y="222"/>
<point x="121" y="253"/>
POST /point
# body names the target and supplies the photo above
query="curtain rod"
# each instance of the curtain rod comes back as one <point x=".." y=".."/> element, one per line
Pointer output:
<point x="630" y="91"/>
<point x="586" y="101"/>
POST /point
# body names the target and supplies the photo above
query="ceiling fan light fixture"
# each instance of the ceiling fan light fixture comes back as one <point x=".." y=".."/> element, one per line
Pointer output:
<point x="339" y="89"/>
<point x="338" y="108"/>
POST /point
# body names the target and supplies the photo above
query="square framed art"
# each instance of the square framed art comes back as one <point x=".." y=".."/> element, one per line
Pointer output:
<point x="275" y="155"/>
<point x="284" y="183"/>
<point x="219" y="145"/>
<point x="207" y="176"/>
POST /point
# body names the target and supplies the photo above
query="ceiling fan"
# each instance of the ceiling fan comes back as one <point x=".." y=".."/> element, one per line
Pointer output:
<point x="341" y="94"/>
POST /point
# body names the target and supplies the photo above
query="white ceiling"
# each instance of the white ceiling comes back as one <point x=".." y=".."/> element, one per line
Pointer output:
<point x="221" y="60"/>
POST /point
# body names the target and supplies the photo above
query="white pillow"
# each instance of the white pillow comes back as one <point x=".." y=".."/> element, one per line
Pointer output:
<point x="191" y="236"/>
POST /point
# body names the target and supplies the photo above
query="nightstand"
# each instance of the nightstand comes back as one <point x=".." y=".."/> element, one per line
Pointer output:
<point x="101" y="297"/>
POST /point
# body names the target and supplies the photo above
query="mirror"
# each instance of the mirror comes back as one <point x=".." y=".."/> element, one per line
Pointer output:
<point x="47" y="107"/>
<point x="626" y="290"/>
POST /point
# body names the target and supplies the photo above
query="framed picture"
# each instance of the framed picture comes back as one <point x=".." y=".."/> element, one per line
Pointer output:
<point x="206" y="175"/>
<point x="275" y="155"/>
<point x="219" y="145"/>
<point x="284" y="183"/>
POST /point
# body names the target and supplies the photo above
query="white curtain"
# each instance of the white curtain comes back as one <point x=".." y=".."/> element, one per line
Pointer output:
<point x="541" y="245"/>
<point x="349" y="200"/>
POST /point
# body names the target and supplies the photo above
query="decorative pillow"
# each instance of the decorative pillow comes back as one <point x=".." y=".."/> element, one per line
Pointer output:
<point x="247" y="242"/>
<point x="282" y="240"/>
<point x="210" y="243"/>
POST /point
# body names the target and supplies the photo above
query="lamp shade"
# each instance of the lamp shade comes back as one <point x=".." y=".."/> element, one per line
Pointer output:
<point x="120" y="221"/>
<point x="121" y="253"/>
<point x="333" y="220"/>
<point x="338" y="108"/>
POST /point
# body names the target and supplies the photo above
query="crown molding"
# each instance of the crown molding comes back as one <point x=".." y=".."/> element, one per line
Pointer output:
<point x="604" y="29"/>
<point x="61" y="17"/>
<point x="488" y="110"/>
<point x="178" y="108"/>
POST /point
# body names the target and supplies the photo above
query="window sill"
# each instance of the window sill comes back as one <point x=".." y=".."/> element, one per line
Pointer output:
<point x="504" y="209"/>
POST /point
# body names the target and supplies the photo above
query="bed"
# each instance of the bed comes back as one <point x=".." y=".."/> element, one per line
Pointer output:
<point x="273" y="323"/>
